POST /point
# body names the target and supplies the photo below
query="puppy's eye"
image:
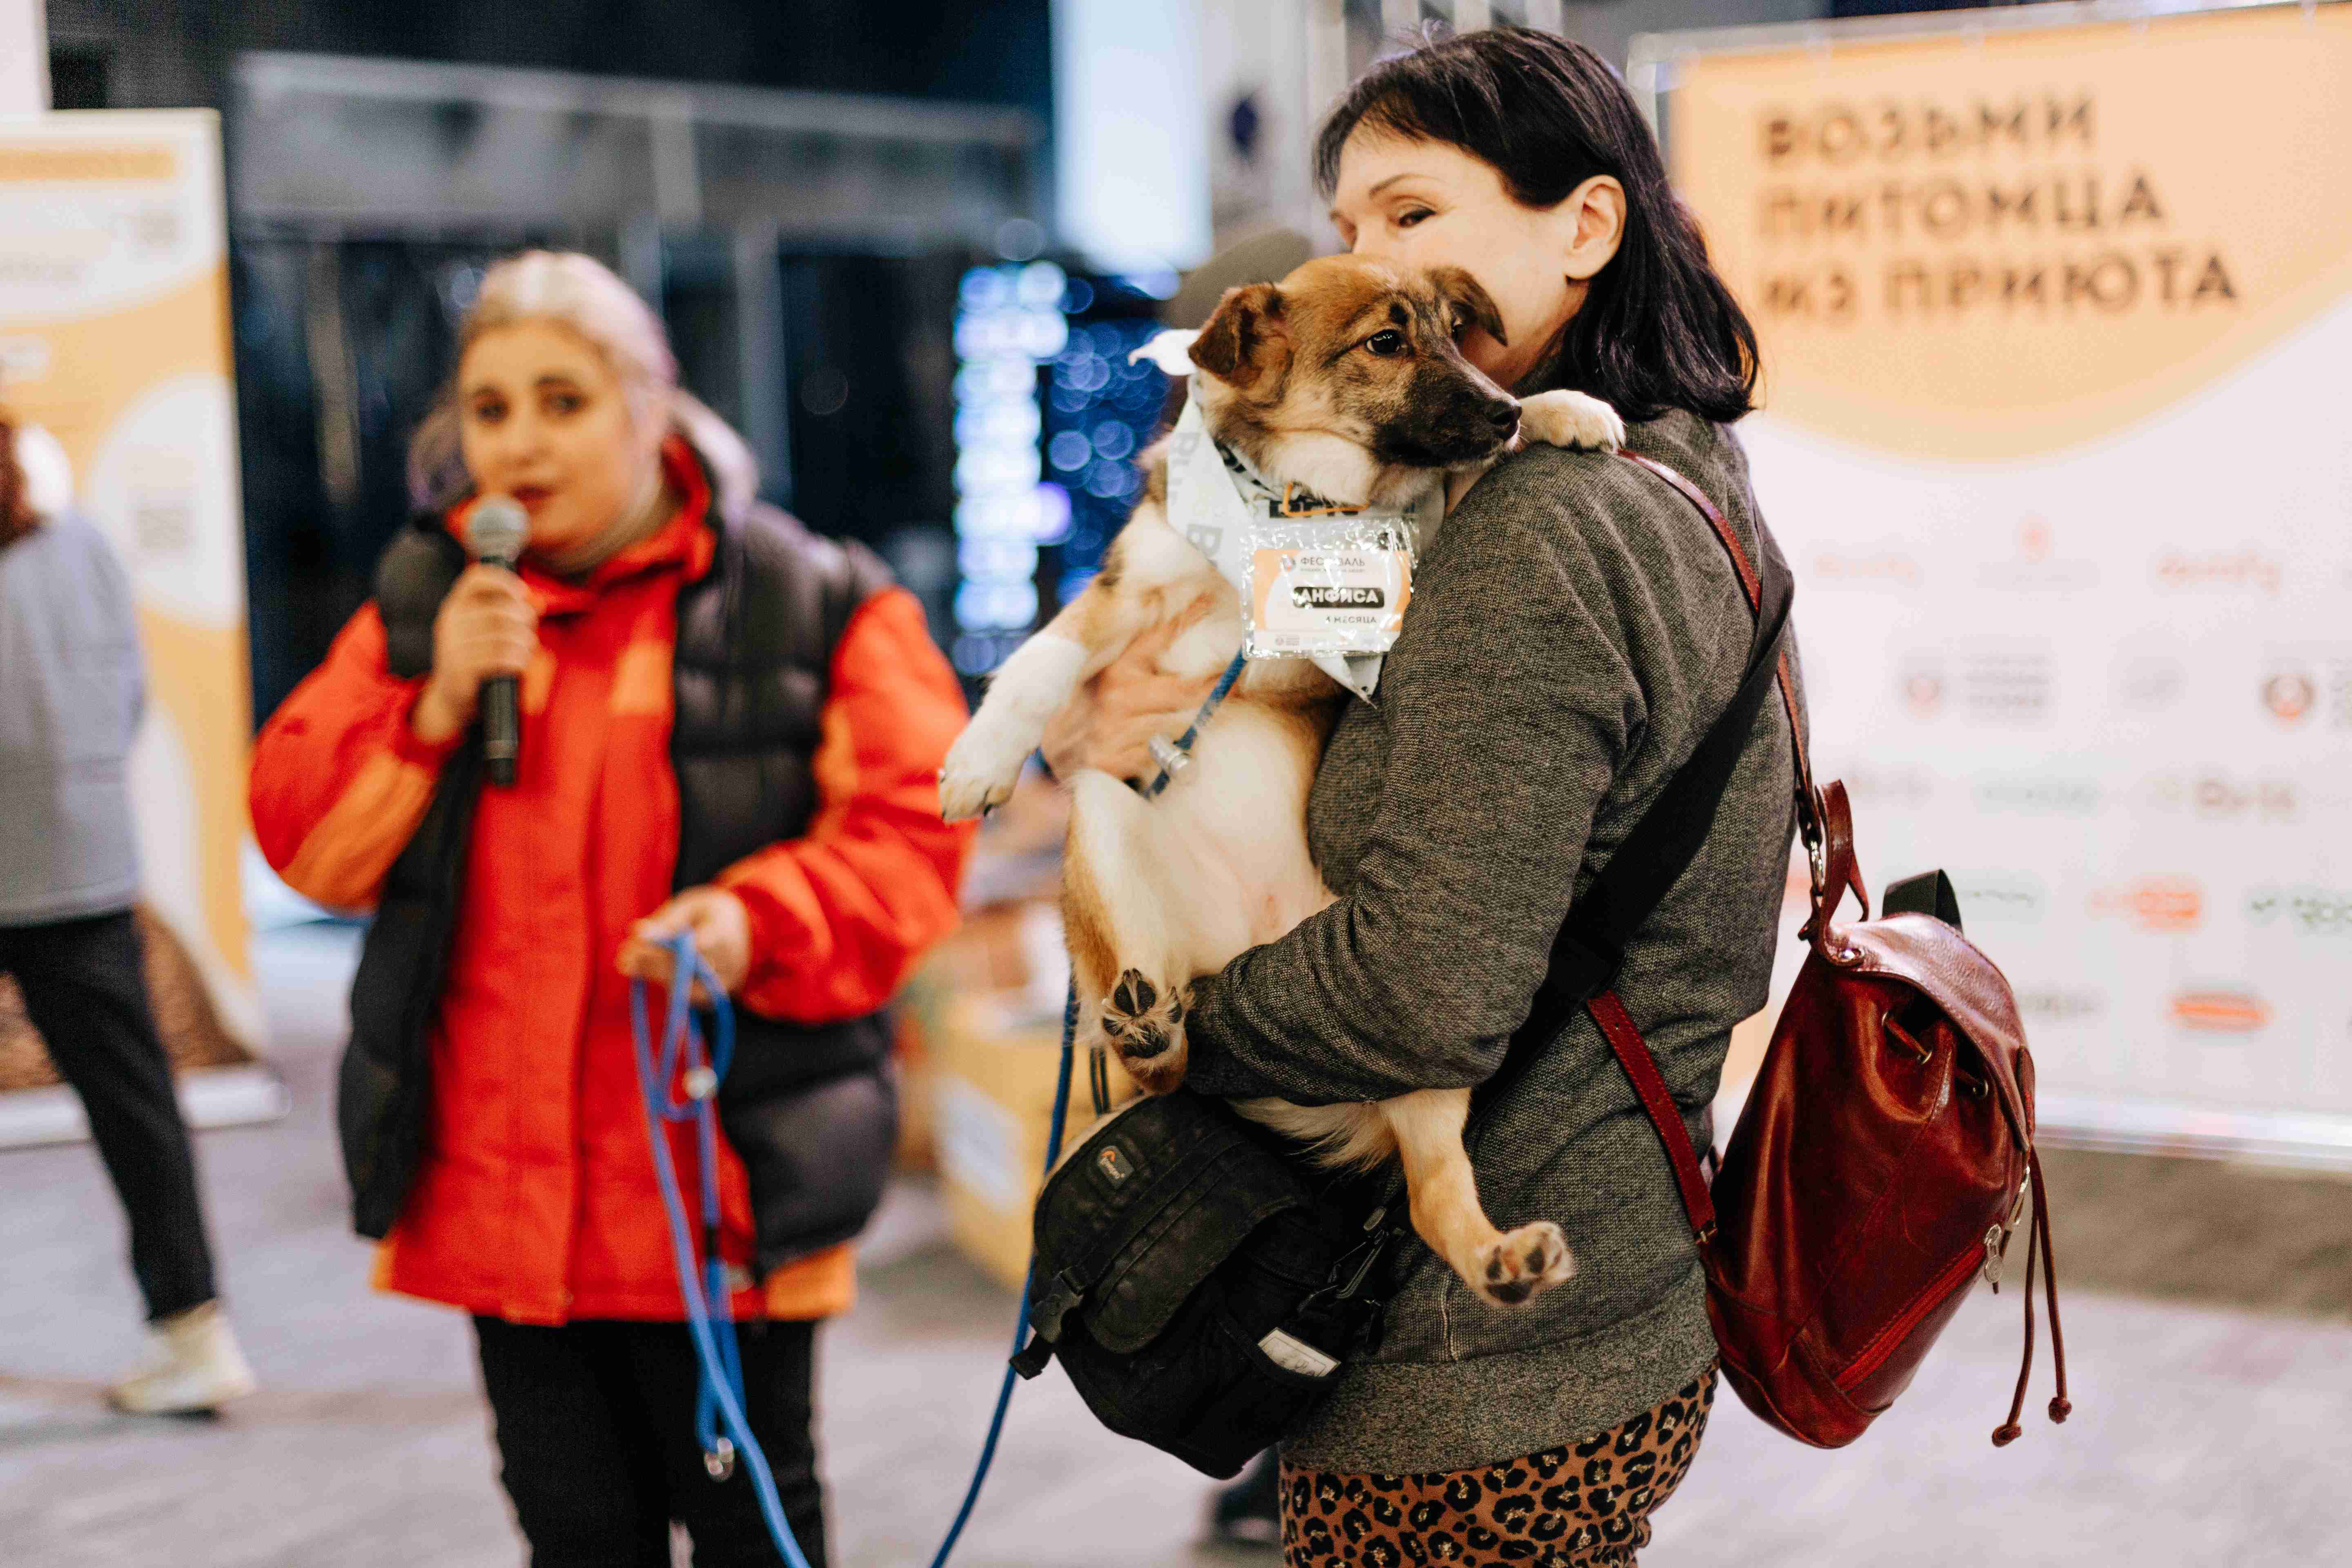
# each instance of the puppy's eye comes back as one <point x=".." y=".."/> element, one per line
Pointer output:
<point x="1388" y="345"/>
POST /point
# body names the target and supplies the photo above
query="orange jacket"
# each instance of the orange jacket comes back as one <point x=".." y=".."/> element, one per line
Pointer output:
<point x="536" y="1199"/>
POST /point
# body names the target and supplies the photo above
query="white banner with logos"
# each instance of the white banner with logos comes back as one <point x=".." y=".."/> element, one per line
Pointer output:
<point x="2056" y="439"/>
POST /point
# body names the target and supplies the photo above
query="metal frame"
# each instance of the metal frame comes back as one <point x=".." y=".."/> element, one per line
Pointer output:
<point x="768" y="109"/>
<point x="2320" y="1144"/>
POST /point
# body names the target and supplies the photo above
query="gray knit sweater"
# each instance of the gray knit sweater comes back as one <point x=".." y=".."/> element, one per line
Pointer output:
<point x="1575" y="628"/>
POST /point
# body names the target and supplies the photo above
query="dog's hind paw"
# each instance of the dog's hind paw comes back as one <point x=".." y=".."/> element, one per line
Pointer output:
<point x="1145" y="1022"/>
<point x="1525" y="1263"/>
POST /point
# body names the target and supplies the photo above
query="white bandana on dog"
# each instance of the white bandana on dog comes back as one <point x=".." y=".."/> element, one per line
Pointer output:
<point x="1318" y="581"/>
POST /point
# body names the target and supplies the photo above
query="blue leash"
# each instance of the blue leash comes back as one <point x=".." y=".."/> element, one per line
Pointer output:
<point x="1182" y="753"/>
<point x="709" y="1309"/>
<point x="1021" y="1319"/>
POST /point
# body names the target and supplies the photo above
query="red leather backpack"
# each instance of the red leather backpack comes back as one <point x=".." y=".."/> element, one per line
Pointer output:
<point x="1885" y="1160"/>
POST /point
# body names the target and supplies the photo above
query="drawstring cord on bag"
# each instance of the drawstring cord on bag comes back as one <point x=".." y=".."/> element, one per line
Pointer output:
<point x="709" y="1309"/>
<point x="2038" y="1236"/>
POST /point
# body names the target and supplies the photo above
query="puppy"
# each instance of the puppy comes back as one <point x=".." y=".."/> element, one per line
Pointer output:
<point x="1344" y="379"/>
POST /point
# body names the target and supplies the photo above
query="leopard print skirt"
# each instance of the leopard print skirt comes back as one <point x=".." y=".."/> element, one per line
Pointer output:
<point x="1584" y="1505"/>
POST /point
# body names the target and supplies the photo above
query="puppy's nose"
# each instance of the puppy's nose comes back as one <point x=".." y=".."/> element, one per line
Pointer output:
<point x="1504" y="414"/>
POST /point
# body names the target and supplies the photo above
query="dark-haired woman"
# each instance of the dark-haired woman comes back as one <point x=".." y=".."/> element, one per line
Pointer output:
<point x="1575" y="629"/>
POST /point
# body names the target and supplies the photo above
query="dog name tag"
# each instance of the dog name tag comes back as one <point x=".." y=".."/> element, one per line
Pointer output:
<point x="1344" y="597"/>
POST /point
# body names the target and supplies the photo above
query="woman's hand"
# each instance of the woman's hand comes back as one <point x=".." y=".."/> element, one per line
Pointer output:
<point x="722" y="936"/>
<point x="488" y="625"/>
<point x="1110" y="723"/>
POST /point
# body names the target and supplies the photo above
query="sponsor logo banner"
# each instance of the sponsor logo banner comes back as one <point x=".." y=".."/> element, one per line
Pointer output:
<point x="2054" y="437"/>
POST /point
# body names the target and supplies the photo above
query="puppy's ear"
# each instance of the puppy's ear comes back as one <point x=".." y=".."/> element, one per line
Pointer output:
<point x="1242" y="339"/>
<point x="1470" y="301"/>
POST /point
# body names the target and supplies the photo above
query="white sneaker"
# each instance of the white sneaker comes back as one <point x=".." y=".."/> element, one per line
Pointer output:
<point x="193" y="1363"/>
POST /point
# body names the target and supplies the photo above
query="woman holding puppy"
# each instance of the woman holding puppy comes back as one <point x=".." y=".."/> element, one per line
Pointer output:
<point x="1575" y="629"/>
<point x="729" y="727"/>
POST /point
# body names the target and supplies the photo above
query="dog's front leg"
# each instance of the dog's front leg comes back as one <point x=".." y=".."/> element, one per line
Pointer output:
<point x="1570" y="420"/>
<point x="1502" y="1266"/>
<point x="1028" y="689"/>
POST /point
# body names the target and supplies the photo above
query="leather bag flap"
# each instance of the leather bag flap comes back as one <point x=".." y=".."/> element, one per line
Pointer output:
<point x="1951" y="971"/>
<point x="1150" y="1205"/>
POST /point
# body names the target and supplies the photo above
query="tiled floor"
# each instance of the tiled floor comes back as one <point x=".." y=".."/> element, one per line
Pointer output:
<point x="2204" y="1434"/>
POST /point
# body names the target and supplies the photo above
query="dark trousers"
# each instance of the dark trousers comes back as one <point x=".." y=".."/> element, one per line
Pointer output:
<point x="86" y="991"/>
<point x="595" y="1435"/>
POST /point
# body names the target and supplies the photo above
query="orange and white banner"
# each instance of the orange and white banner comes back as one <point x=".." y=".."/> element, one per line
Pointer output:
<point x="2056" y="320"/>
<point x="114" y="335"/>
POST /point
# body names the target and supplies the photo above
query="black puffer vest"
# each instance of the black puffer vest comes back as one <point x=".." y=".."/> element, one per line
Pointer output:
<point x="810" y="1110"/>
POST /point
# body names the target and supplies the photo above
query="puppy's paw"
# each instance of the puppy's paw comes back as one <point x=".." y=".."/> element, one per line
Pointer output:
<point x="1570" y="420"/>
<point x="982" y="768"/>
<point x="1145" y="1023"/>
<point x="1523" y="1264"/>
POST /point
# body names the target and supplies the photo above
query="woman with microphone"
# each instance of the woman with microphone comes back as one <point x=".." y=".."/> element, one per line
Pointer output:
<point x="729" y="727"/>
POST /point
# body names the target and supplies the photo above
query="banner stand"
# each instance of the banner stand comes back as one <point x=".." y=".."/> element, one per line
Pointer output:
<point x="2053" y="303"/>
<point x="114" y="338"/>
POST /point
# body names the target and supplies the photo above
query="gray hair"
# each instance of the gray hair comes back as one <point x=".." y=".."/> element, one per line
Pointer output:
<point x="583" y="294"/>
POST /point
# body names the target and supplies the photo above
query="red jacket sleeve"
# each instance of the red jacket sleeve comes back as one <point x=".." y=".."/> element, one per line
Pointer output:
<point x="840" y="916"/>
<point x="338" y="783"/>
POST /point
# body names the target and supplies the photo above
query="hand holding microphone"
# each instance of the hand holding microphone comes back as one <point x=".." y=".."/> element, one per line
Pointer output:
<point x="483" y="639"/>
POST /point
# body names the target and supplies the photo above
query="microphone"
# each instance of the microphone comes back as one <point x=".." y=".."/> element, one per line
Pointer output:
<point x="497" y="529"/>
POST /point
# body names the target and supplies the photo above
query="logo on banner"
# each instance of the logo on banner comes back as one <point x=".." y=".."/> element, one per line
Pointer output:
<point x="2009" y="686"/>
<point x="2300" y="687"/>
<point x="2014" y="896"/>
<point x="2039" y="795"/>
<point x="1906" y="789"/>
<point x="2290" y="695"/>
<point x="2184" y="570"/>
<point x="2006" y="684"/>
<point x="1922" y="690"/>
<point x="2058" y="1005"/>
<point x="2036" y="566"/>
<point x="2219" y="797"/>
<point x="1864" y="568"/>
<point x="2312" y="911"/>
<point x="2149" y="683"/>
<point x="2220" y="1012"/>
<point x="2163" y="906"/>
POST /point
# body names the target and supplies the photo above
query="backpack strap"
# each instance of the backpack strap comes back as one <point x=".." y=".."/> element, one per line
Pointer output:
<point x="1633" y="1055"/>
<point x="1768" y="594"/>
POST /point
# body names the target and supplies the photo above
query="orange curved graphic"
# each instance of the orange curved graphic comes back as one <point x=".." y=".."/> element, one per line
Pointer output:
<point x="1992" y="248"/>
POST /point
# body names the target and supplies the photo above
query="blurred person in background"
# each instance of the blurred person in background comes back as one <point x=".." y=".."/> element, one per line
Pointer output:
<point x="1575" y="629"/>
<point x="730" y="727"/>
<point x="72" y="687"/>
